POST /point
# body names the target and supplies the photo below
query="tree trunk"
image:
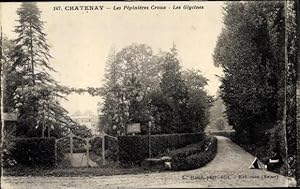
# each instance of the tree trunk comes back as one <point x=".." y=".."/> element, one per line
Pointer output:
<point x="298" y="92"/>
<point x="31" y="55"/>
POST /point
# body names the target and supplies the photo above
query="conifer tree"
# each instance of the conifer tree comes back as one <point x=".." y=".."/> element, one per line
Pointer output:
<point x="35" y="93"/>
<point x="175" y="96"/>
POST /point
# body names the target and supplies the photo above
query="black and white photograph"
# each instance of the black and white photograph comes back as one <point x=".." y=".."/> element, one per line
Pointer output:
<point x="141" y="94"/>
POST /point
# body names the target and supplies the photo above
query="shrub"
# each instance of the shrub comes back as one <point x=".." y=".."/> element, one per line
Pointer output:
<point x="195" y="155"/>
<point x="134" y="149"/>
<point x="34" y="151"/>
<point x="7" y="146"/>
<point x="6" y="158"/>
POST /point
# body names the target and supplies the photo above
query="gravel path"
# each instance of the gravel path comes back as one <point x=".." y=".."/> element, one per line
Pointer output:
<point x="228" y="169"/>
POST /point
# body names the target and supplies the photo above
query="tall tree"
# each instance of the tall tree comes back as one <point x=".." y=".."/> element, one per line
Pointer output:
<point x="9" y="78"/>
<point x="131" y="74"/>
<point x="199" y="102"/>
<point x="250" y="50"/>
<point x="141" y="87"/>
<point x="291" y="80"/>
<point x="35" y="93"/>
<point x="297" y="21"/>
<point x="174" y="96"/>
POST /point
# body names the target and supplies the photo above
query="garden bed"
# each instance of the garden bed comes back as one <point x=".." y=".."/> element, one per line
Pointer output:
<point x="195" y="155"/>
<point x="133" y="150"/>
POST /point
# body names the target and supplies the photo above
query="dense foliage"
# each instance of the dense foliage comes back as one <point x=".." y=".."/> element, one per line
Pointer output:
<point x="141" y="86"/>
<point x="29" y="90"/>
<point x="258" y="83"/>
<point x="250" y="50"/>
<point x="194" y="155"/>
<point x="292" y="48"/>
<point x="134" y="149"/>
<point x="130" y="75"/>
<point x="181" y="103"/>
<point x="174" y="94"/>
<point x="34" y="151"/>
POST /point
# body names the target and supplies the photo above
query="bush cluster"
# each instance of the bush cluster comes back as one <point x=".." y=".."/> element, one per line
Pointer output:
<point x="34" y="152"/>
<point x="195" y="155"/>
<point x="134" y="149"/>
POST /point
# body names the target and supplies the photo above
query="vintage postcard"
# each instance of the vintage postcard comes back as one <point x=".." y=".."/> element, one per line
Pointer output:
<point x="141" y="94"/>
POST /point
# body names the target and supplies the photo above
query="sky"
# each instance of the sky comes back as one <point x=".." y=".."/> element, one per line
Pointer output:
<point x="81" y="40"/>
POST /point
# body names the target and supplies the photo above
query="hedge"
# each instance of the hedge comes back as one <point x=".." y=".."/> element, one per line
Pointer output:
<point x="78" y="145"/>
<point x="195" y="155"/>
<point x="134" y="149"/>
<point x="34" y="151"/>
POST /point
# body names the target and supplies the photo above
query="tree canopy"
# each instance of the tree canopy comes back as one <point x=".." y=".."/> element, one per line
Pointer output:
<point x="29" y="88"/>
<point x="259" y="79"/>
<point x="250" y="50"/>
<point x="141" y="86"/>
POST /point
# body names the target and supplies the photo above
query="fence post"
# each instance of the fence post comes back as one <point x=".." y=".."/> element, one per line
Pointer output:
<point x="103" y="148"/>
<point x="48" y="131"/>
<point x="87" y="152"/>
<point x="149" y="138"/>
<point x="55" y="151"/>
<point x="43" y="127"/>
<point x="71" y="144"/>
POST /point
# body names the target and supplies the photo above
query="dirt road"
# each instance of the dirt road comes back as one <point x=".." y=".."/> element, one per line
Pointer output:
<point x="228" y="169"/>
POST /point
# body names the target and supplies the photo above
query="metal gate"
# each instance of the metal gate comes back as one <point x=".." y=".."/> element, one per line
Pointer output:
<point x="70" y="138"/>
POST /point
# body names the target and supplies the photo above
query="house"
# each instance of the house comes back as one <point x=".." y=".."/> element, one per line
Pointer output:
<point x="90" y="121"/>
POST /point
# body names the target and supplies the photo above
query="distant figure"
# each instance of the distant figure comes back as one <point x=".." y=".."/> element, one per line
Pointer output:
<point x="167" y="162"/>
<point x="168" y="165"/>
<point x="274" y="162"/>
